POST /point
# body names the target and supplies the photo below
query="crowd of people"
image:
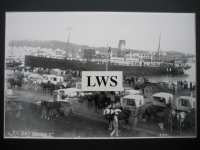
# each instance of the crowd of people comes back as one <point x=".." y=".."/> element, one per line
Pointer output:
<point x="39" y="70"/>
<point x="180" y="85"/>
<point x="174" y="87"/>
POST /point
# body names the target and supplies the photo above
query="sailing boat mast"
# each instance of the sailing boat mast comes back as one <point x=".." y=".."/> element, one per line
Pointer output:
<point x="11" y="56"/>
<point x="159" y="50"/>
<point x="67" y="55"/>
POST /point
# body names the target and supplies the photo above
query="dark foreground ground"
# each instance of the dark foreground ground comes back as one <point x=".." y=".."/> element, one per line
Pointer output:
<point x="84" y="124"/>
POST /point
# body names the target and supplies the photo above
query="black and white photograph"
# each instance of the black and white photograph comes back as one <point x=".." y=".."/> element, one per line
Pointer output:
<point x="47" y="54"/>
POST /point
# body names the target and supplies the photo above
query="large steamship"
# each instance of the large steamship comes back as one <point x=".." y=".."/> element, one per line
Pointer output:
<point x="119" y="63"/>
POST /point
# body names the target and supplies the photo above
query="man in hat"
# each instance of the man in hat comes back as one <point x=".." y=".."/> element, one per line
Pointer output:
<point x="115" y="124"/>
<point x="169" y="85"/>
<point x="193" y="86"/>
<point x="191" y="94"/>
<point x="190" y="85"/>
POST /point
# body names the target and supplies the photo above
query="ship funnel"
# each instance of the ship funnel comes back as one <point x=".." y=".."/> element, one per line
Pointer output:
<point x="121" y="48"/>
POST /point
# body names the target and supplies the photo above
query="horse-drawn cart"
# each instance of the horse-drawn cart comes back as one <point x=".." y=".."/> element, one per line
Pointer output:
<point x="13" y="104"/>
<point x="133" y="105"/>
<point x="188" y="105"/>
<point x="150" y="88"/>
<point x="161" y="105"/>
<point x="69" y="100"/>
<point x="69" y="104"/>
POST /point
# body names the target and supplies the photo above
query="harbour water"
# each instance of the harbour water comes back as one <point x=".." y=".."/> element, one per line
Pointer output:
<point x="189" y="76"/>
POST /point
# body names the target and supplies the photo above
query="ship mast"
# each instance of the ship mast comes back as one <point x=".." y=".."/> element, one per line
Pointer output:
<point x="159" y="50"/>
<point x="107" y="56"/>
<point x="12" y="53"/>
<point x="68" y="41"/>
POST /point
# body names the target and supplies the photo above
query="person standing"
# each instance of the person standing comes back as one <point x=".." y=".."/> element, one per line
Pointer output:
<point x="133" y="80"/>
<point x="115" y="125"/>
<point x="176" y="89"/>
<point x="129" y="82"/>
<point x="169" y="85"/>
<point x="181" y="84"/>
<point x="112" y="99"/>
<point x="179" y="88"/>
<point x="191" y="94"/>
<point x="185" y="84"/>
<point x="172" y="87"/>
<point x="194" y="86"/>
<point x="190" y="85"/>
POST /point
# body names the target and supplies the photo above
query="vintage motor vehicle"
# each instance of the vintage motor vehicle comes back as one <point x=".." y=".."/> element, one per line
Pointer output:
<point x="47" y="78"/>
<point x="161" y="105"/>
<point x="133" y="105"/>
<point x="72" y="81"/>
<point x="58" y="81"/>
<point x="56" y="71"/>
<point x="188" y="105"/>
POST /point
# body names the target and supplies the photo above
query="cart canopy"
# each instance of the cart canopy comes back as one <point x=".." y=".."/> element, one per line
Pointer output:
<point x="161" y="99"/>
<point x="185" y="103"/>
<point x="70" y="92"/>
<point x="132" y="101"/>
<point x="132" y="92"/>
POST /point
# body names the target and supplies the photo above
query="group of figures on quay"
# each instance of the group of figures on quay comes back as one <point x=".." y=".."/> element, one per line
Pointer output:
<point x="173" y="87"/>
<point x="166" y="102"/>
<point x="41" y="70"/>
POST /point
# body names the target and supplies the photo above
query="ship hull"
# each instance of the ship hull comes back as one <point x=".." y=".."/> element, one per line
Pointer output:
<point x="92" y="66"/>
<point x="13" y="64"/>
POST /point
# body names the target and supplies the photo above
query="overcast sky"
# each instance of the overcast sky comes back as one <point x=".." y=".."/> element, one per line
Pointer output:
<point x="140" y="30"/>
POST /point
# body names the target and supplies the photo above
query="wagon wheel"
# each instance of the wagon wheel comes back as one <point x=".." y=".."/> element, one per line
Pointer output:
<point x="75" y="107"/>
<point x="154" y="89"/>
<point x="135" y="122"/>
<point x="147" y="91"/>
<point x="66" y="111"/>
<point x="18" y="113"/>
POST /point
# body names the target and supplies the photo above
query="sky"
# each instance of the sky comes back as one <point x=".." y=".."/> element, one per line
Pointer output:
<point x="141" y="31"/>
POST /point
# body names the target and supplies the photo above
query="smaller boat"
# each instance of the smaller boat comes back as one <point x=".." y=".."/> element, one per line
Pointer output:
<point x="13" y="64"/>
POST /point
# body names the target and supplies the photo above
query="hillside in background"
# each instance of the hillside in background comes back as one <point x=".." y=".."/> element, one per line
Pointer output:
<point x="72" y="47"/>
